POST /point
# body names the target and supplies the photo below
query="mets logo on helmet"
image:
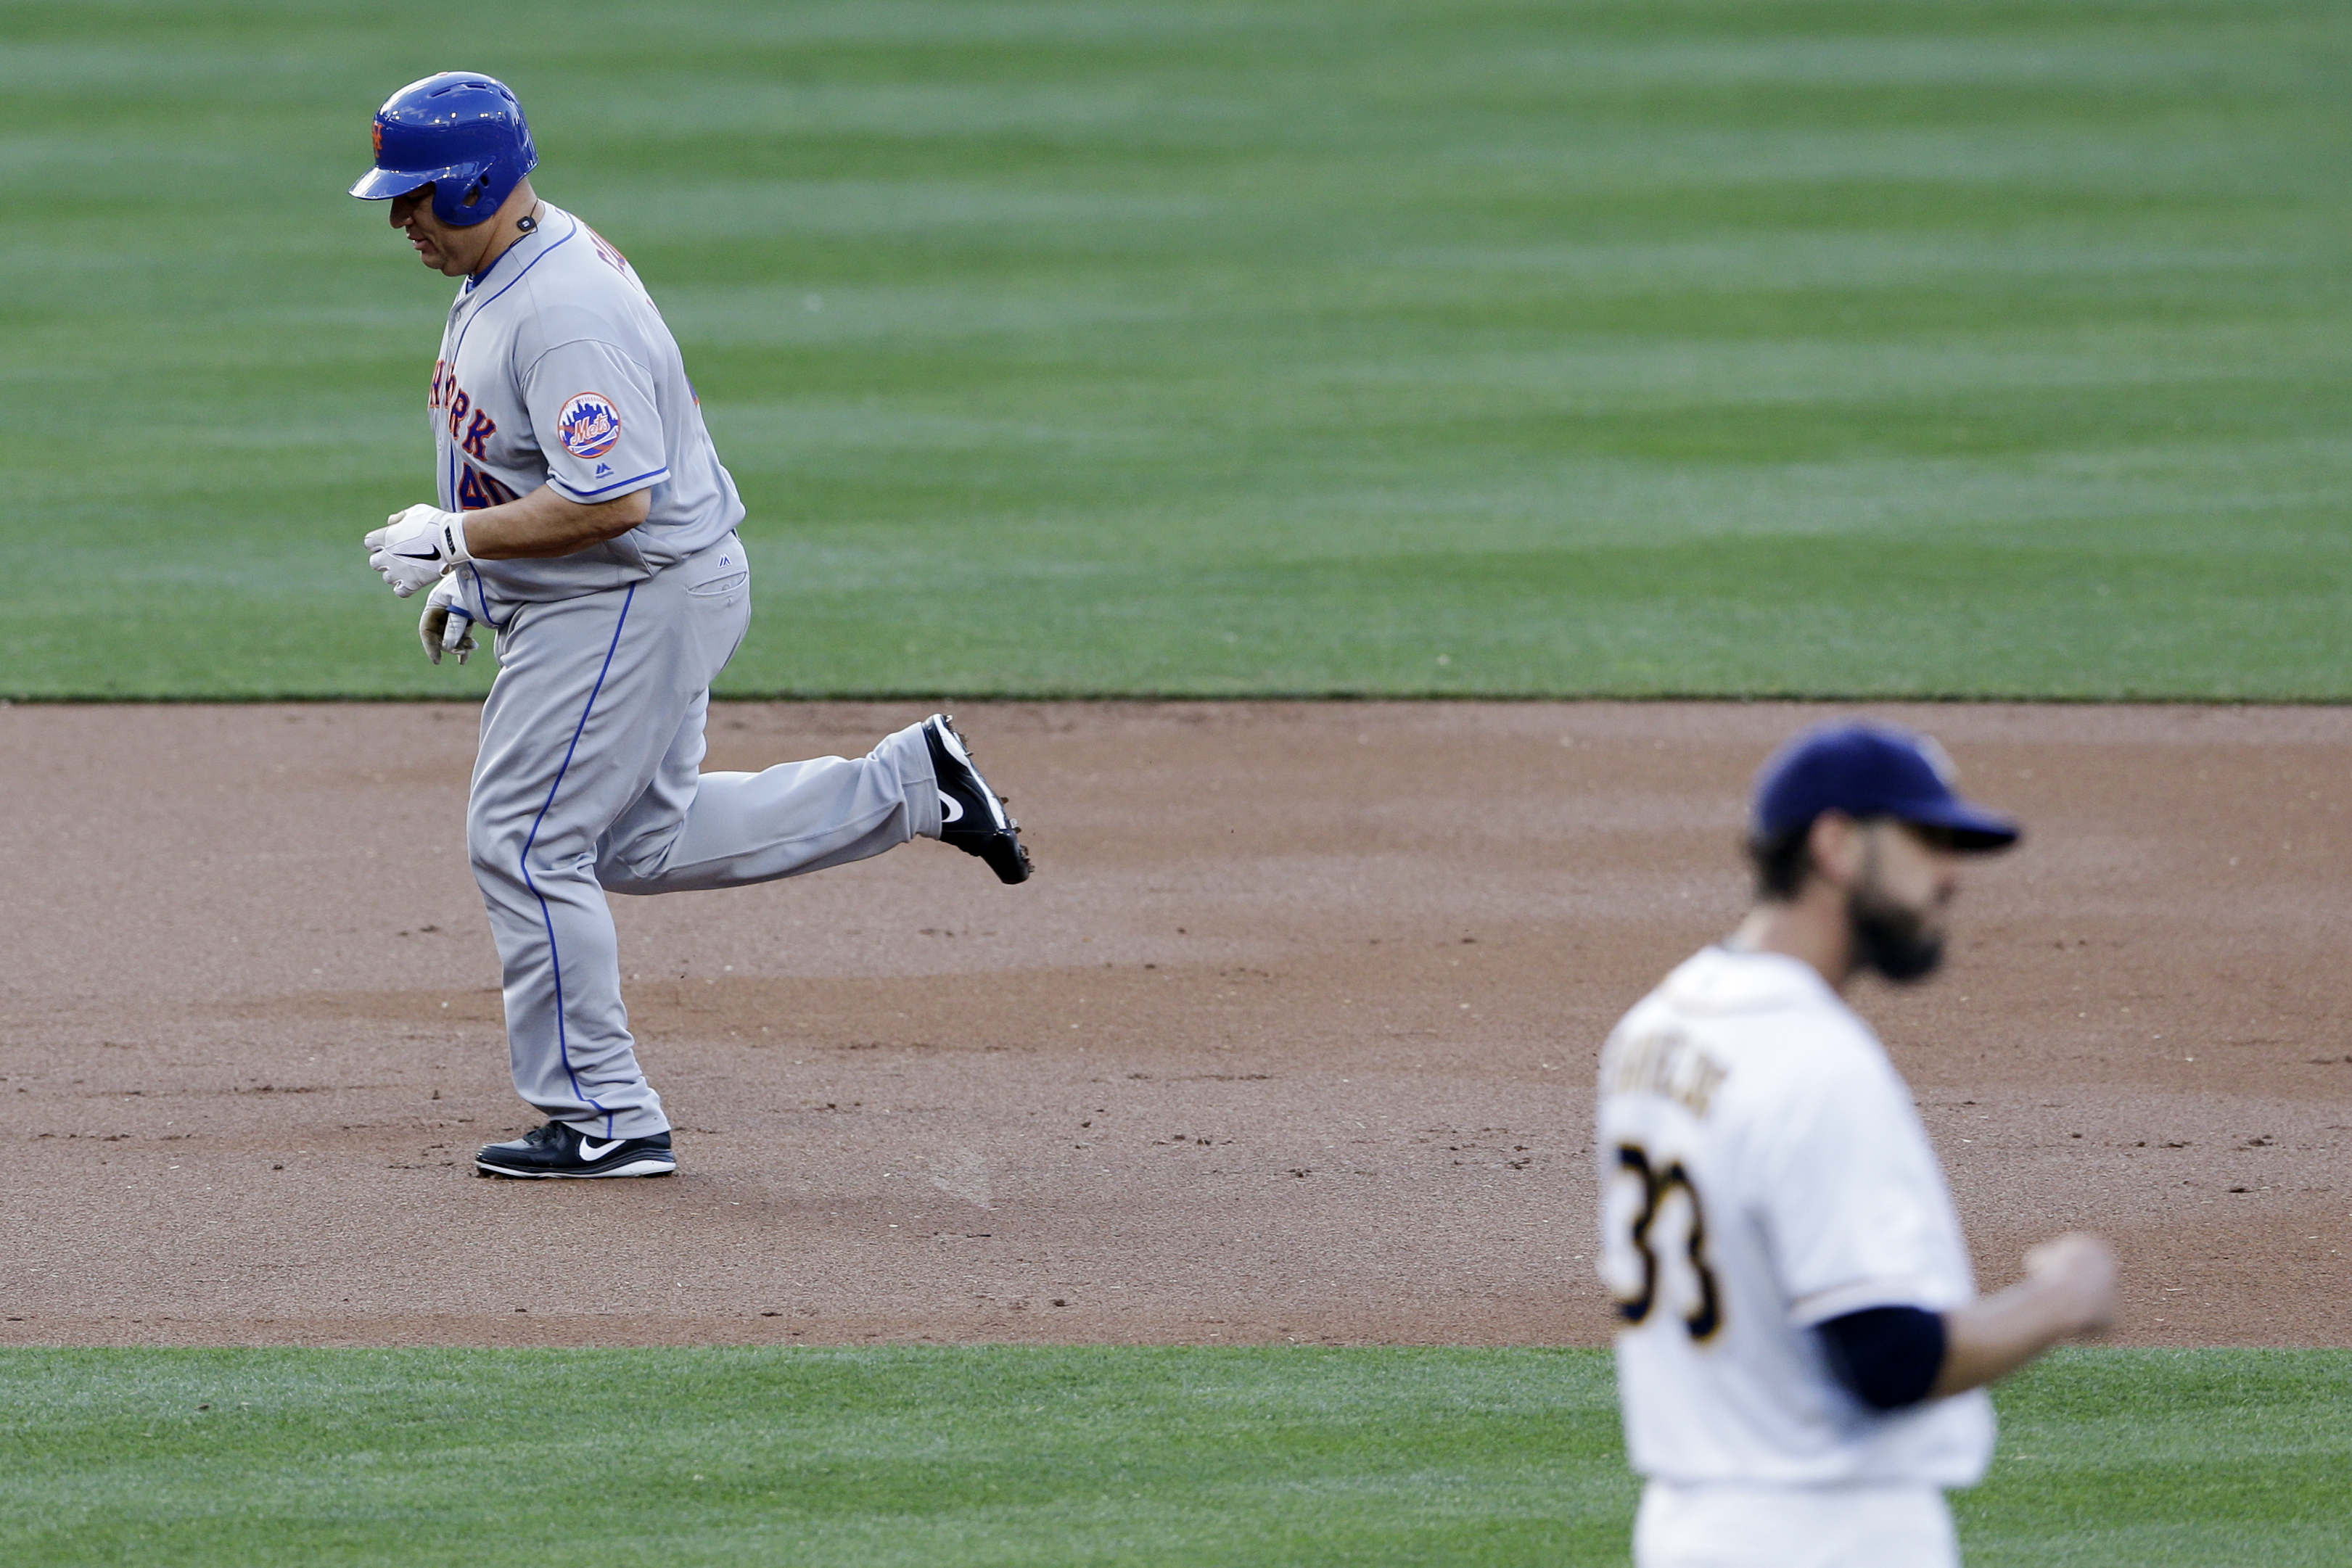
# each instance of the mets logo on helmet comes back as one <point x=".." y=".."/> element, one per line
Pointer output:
<point x="590" y="425"/>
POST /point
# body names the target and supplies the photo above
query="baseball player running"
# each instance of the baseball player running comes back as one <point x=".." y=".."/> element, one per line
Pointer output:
<point x="1803" y="1354"/>
<point x="584" y="518"/>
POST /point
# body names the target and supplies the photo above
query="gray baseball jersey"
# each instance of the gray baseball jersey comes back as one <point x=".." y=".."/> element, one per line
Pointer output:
<point x="557" y="369"/>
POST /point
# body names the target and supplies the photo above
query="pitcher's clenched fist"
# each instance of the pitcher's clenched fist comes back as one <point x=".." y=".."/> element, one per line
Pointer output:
<point x="2076" y="1272"/>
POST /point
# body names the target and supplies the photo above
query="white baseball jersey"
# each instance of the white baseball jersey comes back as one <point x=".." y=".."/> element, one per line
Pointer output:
<point x="557" y="369"/>
<point x="1763" y="1170"/>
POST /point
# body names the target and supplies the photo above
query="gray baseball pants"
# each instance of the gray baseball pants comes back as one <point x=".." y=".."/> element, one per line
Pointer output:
<point x="588" y="780"/>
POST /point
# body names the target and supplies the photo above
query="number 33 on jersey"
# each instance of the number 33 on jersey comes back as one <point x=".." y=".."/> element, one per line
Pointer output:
<point x="1650" y="1204"/>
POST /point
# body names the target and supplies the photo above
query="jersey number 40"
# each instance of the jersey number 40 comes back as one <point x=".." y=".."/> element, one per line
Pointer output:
<point x="479" y="492"/>
<point x="1642" y="1197"/>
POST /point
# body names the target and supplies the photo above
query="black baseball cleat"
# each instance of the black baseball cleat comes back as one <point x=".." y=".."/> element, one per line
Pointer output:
<point x="557" y="1150"/>
<point x="971" y="815"/>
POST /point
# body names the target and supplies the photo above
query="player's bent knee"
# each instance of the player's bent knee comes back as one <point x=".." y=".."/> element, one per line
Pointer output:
<point x="613" y="877"/>
<point x="496" y="849"/>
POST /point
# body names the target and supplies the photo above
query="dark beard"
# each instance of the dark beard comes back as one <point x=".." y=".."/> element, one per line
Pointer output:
<point x="1891" y="939"/>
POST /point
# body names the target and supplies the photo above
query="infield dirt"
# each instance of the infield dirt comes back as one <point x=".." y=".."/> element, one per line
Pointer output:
<point x="1291" y="1039"/>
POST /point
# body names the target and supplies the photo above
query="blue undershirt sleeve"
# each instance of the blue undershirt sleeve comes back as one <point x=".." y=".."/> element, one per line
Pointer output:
<point x="1887" y="1357"/>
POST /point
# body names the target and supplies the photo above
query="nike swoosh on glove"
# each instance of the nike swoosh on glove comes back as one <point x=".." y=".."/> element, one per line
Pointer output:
<point x="415" y="546"/>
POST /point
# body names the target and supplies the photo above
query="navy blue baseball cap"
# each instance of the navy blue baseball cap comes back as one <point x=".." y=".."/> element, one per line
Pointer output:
<point x="1872" y="770"/>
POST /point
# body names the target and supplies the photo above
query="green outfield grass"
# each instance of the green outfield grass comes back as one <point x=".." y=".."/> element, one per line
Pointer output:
<point x="1055" y="1455"/>
<point x="1873" y="347"/>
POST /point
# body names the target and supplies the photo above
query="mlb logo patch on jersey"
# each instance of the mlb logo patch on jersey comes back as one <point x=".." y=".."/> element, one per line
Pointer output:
<point x="590" y="425"/>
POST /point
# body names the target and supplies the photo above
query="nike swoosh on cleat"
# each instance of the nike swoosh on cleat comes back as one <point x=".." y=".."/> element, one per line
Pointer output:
<point x="951" y="809"/>
<point x="590" y="1151"/>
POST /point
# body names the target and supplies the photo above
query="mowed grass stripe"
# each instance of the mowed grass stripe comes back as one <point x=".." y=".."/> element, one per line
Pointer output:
<point x="1056" y="1456"/>
<point x="880" y="1456"/>
<point x="1072" y="347"/>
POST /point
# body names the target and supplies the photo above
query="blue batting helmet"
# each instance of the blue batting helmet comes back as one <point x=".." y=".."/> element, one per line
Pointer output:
<point x="462" y="134"/>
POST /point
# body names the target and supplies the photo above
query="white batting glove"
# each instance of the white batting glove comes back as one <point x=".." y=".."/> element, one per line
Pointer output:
<point x="415" y="546"/>
<point x="446" y="625"/>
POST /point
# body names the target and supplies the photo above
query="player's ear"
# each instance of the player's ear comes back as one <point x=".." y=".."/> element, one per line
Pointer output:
<point x="1835" y="841"/>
